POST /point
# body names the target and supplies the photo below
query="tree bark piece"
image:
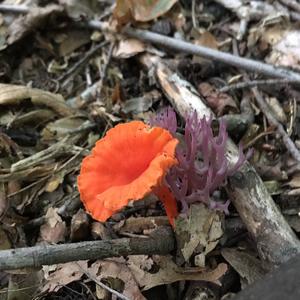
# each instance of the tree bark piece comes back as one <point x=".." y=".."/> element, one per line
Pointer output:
<point x="276" y="242"/>
<point x="161" y="241"/>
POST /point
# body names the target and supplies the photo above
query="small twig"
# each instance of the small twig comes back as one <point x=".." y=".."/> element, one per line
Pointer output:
<point x="98" y="282"/>
<point x="104" y="72"/>
<point x="81" y="63"/>
<point x="257" y="137"/>
<point x="160" y="241"/>
<point x="292" y="4"/>
<point x="291" y="147"/>
<point x="16" y="9"/>
<point x="194" y="14"/>
<point x="253" y="83"/>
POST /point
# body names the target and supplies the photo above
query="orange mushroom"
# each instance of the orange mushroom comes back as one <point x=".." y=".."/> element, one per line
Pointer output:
<point x="130" y="162"/>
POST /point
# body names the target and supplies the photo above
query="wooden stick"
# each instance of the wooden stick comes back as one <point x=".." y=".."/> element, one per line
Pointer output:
<point x="160" y="241"/>
<point x="275" y="240"/>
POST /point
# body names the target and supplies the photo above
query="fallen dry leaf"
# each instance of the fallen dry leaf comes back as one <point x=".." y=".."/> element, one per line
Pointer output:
<point x="201" y="230"/>
<point x="60" y="275"/>
<point x="36" y="16"/>
<point x="111" y="270"/>
<point x="61" y="127"/>
<point x="54" y="229"/>
<point x="169" y="272"/>
<point x="208" y="40"/>
<point x="217" y="101"/>
<point x="79" y="226"/>
<point x="141" y="10"/>
<point x="128" y="47"/>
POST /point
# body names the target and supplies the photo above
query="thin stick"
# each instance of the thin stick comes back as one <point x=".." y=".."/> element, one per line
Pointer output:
<point x="182" y="46"/>
<point x="81" y="63"/>
<point x="292" y="4"/>
<point x="161" y="241"/>
<point x="105" y="287"/>
<point x="253" y="83"/>
<point x="104" y="72"/>
<point x="291" y="147"/>
<point x="16" y="9"/>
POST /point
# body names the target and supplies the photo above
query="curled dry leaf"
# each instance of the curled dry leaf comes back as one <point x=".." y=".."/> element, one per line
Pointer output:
<point x="169" y="272"/>
<point x="35" y="18"/>
<point x="141" y="10"/>
<point x="128" y="47"/>
<point x="14" y="94"/>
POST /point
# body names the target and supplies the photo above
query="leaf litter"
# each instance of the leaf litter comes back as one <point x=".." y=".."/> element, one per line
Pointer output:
<point x="47" y="127"/>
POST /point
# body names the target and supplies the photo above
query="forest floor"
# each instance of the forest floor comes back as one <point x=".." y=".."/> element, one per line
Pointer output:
<point x="70" y="71"/>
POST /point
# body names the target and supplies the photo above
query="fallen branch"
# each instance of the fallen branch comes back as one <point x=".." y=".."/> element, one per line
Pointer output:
<point x="189" y="48"/>
<point x="275" y="240"/>
<point x="182" y="46"/>
<point x="160" y="241"/>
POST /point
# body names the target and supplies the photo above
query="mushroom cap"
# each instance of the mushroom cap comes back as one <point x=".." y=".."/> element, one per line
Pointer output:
<point x="127" y="164"/>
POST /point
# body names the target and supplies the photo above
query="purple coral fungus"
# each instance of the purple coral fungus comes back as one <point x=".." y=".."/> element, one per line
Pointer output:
<point x="202" y="164"/>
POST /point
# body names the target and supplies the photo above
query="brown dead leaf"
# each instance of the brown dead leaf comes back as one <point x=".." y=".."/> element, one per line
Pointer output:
<point x="112" y="270"/>
<point x="72" y="41"/>
<point x="141" y="10"/>
<point x="208" y="40"/>
<point x="295" y="181"/>
<point x="14" y="94"/>
<point x="60" y="128"/>
<point x="60" y="275"/>
<point x="128" y="47"/>
<point x="169" y="272"/>
<point x="54" y="229"/>
<point x="217" y="101"/>
<point x="79" y="226"/>
<point x="35" y="18"/>
<point x="199" y="232"/>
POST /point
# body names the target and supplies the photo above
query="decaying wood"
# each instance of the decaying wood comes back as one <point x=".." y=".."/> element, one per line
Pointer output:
<point x="161" y="241"/>
<point x="275" y="240"/>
